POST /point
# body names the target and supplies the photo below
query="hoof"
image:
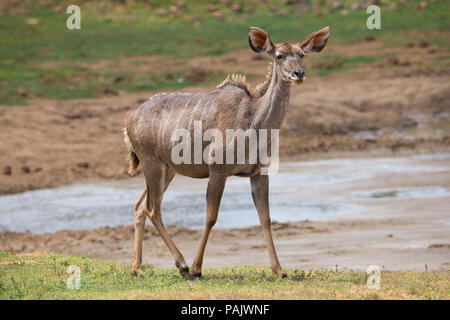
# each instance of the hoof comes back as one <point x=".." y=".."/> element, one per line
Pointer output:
<point x="137" y="272"/>
<point x="196" y="276"/>
<point x="279" y="271"/>
<point x="185" y="273"/>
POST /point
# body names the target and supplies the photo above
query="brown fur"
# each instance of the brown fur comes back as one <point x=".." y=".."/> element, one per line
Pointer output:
<point x="133" y="160"/>
<point x="240" y="81"/>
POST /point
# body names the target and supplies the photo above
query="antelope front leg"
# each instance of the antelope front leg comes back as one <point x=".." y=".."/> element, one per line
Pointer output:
<point x="260" y="194"/>
<point x="214" y="193"/>
<point x="139" y="226"/>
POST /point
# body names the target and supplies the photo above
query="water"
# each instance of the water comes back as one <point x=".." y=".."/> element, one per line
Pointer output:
<point x="302" y="190"/>
<point x="402" y="193"/>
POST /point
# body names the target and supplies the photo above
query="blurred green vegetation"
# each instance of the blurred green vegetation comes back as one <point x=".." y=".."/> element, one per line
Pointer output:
<point x="115" y="29"/>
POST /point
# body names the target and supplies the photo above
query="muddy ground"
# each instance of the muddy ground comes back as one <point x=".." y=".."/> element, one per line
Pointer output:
<point x="398" y="237"/>
<point x="392" y="231"/>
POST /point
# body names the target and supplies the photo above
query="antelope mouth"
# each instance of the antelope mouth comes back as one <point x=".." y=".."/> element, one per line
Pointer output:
<point x="299" y="80"/>
<point x="295" y="79"/>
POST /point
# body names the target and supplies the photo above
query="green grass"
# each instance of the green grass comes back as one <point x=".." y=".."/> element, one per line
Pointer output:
<point x="330" y="63"/>
<point x="112" y="31"/>
<point x="76" y="82"/>
<point x="46" y="279"/>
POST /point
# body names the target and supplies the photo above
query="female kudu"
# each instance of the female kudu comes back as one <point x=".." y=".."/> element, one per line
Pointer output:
<point x="234" y="105"/>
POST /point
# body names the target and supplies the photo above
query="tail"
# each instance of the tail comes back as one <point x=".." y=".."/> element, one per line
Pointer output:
<point x="133" y="159"/>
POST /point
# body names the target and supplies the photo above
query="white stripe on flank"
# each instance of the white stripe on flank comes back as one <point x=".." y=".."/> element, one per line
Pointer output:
<point x="161" y="128"/>
<point x="168" y="117"/>
<point x="193" y="113"/>
<point x="140" y="124"/>
<point x="186" y="106"/>
<point x="204" y="109"/>
<point x="212" y="107"/>
<point x="154" y="138"/>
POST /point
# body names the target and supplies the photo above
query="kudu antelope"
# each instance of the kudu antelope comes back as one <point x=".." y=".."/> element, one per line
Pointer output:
<point x="233" y="105"/>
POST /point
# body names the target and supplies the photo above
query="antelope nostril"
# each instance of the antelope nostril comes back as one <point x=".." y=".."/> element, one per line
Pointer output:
<point x="299" y="73"/>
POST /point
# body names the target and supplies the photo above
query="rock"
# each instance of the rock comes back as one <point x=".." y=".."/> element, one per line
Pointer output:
<point x="357" y="5"/>
<point x="173" y="9"/>
<point x="83" y="165"/>
<point x="424" y="44"/>
<point x="17" y="11"/>
<point x="421" y="5"/>
<point x="273" y="8"/>
<point x="194" y="20"/>
<point x="161" y="12"/>
<point x="336" y="5"/>
<point x="26" y="169"/>
<point x="318" y="12"/>
<point x="396" y="62"/>
<point x="182" y="4"/>
<point x="110" y="92"/>
<point x="393" y="6"/>
<point x="196" y="74"/>
<point x="237" y="7"/>
<point x="7" y="171"/>
<point x="119" y="79"/>
<point x="369" y="38"/>
<point x="32" y="21"/>
<point x="218" y="15"/>
<point x="304" y="5"/>
<point x="22" y="92"/>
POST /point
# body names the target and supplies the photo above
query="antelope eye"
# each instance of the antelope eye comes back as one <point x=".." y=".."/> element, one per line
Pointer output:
<point x="279" y="56"/>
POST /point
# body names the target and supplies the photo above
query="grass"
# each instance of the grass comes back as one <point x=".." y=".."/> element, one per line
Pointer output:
<point x="46" y="278"/>
<point x="111" y="30"/>
<point x="324" y="65"/>
<point x="75" y="82"/>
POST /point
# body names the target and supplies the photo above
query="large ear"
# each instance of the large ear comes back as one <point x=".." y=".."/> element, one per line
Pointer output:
<point x="316" y="41"/>
<point x="259" y="40"/>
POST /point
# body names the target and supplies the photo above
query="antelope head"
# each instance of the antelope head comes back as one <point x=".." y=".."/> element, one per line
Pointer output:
<point x="288" y="57"/>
